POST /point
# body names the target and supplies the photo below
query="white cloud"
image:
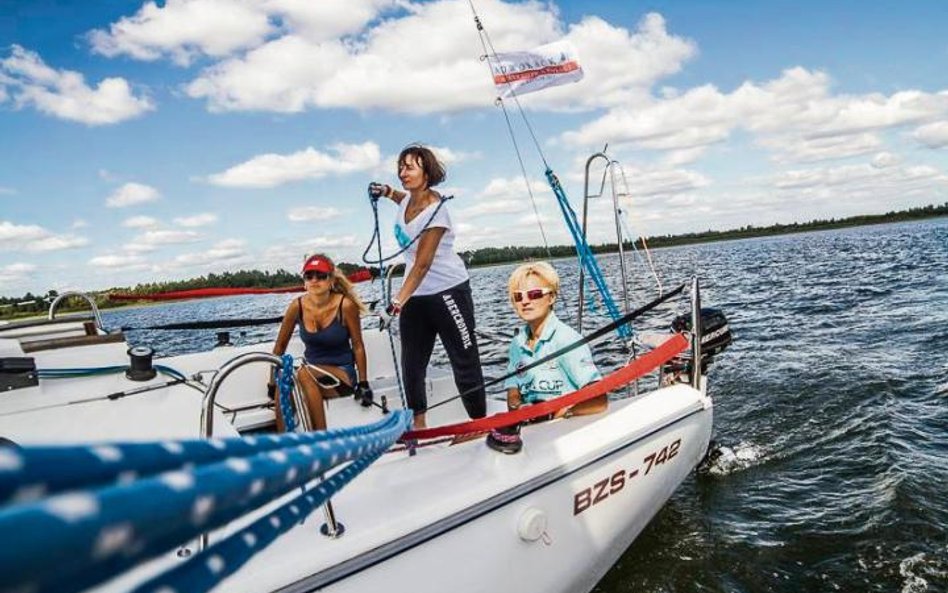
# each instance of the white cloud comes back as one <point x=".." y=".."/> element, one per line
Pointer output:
<point x="132" y="194"/>
<point x="16" y="272"/>
<point x="7" y="191"/>
<point x="270" y="170"/>
<point x="57" y="243"/>
<point x="504" y="196"/>
<point x="65" y="94"/>
<point x="184" y="29"/>
<point x="79" y="224"/>
<point x="14" y="237"/>
<point x="648" y="183"/>
<point x="116" y="262"/>
<point x="198" y="220"/>
<point x="308" y="213"/>
<point x="384" y="69"/>
<point x="187" y="29"/>
<point x="885" y="159"/>
<point x="326" y="242"/>
<point x="796" y="116"/>
<point x="226" y="251"/>
<point x="139" y="222"/>
<point x="934" y="135"/>
<point x="164" y="237"/>
<point x="862" y="180"/>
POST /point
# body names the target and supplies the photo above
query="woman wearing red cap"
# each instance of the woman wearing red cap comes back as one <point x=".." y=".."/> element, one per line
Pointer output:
<point x="435" y="297"/>
<point x="328" y="320"/>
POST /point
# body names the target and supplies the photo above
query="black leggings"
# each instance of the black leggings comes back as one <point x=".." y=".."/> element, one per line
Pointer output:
<point x="450" y="316"/>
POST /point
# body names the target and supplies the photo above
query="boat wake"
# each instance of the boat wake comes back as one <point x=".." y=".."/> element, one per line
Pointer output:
<point x="723" y="460"/>
<point x="916" y="568"/>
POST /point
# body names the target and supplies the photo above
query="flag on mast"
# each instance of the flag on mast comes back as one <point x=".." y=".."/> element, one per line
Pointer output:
<point x="522" y="72"/>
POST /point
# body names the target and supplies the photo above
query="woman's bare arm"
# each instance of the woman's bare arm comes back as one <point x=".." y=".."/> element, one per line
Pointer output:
<point x="350" y="314"/>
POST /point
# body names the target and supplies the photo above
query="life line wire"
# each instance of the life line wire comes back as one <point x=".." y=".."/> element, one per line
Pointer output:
<point x="639" y="367"/>
<point x="570" y="347"/>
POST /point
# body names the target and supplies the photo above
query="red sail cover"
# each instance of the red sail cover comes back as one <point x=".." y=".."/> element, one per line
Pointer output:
<point x="200" y="293"/>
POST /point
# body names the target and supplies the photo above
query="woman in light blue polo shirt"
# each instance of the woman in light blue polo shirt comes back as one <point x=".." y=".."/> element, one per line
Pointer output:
<point x="532" y="289"/>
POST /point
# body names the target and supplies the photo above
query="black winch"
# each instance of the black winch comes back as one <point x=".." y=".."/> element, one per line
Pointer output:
<point x="140" y="367"/>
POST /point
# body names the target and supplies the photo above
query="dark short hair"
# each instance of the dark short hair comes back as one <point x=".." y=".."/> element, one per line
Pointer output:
<point x="429" y="162"/>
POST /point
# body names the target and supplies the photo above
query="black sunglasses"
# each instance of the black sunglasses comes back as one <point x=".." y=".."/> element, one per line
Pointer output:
<point x="311" y="275"/>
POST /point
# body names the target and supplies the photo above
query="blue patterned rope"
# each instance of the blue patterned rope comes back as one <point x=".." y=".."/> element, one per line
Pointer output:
<point x="205" y="570"/>
<point x="93" y="535"/>
<point x="30" y="473"/>
<point x="285" y="380"/>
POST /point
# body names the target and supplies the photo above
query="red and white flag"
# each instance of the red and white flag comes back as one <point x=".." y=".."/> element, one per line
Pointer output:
<point x="549" y="65"/>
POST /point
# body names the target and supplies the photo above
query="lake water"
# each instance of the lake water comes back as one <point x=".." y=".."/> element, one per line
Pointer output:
<point x="831" y="408"/>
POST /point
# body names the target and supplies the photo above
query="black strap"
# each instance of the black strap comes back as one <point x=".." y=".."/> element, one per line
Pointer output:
<point x="210" y="324"/>
<point x="569" y="348"/>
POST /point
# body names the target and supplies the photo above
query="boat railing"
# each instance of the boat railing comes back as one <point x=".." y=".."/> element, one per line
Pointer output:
<point x="95" y="309"/>
<point x="332" y="528"/>
<point x="696" y="330"/>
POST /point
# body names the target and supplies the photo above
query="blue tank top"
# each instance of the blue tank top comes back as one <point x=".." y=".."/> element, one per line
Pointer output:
<point x="329" y="345"/>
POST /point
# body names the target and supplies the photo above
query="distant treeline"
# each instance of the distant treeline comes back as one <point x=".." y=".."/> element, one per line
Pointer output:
<point x="498" y="255"/>
<point x="800" y="227"/>
<point x="30" y="304"/>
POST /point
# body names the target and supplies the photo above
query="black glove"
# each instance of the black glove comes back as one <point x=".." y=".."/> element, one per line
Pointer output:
<point x="379" y="190"/>
<point x="363" y="393"/>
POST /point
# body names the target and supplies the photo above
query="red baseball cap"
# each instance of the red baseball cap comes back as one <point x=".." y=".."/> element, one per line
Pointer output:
<point x="317" y="263"/>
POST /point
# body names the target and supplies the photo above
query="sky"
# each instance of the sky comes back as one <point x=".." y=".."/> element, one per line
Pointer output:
<point x="154" y="141"/>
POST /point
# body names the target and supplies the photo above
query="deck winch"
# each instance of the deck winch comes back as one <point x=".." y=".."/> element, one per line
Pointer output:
<point x="139" y="364"/>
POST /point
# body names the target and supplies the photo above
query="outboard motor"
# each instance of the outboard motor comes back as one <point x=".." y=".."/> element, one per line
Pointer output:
<point x="715" y="338"/>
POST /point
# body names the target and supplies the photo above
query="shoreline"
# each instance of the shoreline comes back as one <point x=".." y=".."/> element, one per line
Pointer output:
<point x="659" y="242"/>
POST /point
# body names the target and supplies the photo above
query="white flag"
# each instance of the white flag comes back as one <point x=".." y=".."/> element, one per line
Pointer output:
<point x="527" y="71"/>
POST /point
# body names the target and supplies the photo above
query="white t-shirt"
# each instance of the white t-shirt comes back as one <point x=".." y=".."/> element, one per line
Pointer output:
<point x="447" y="269"/>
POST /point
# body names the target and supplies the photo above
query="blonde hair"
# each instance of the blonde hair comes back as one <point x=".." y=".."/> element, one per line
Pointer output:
<point x="541" y="270"/>
<point x="341" y="284"/>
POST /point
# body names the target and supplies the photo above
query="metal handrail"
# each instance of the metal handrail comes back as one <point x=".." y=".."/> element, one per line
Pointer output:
<point x="95" y="310"/>
<point x="696" y="330"/>
<point x="332" y="528"/>
<point x="586" y="198"/>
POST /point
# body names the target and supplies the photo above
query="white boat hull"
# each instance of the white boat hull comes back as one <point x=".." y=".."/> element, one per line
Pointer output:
<point x="552" y="518"/>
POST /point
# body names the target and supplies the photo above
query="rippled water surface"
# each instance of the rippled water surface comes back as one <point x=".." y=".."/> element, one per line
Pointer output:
<point x="831" y="409"/>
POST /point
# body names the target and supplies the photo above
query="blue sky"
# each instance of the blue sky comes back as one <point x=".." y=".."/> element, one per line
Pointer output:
<point x="145" y="142"/>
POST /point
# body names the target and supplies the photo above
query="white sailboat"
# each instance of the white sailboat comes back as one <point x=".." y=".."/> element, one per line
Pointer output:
<point x="553" y="518"/>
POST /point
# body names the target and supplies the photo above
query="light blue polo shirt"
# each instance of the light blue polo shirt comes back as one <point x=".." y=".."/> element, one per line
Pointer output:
<point x="556" y="377"/>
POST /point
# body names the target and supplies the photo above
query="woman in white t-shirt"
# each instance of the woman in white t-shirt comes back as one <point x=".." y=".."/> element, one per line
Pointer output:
<point x="435" y="297"/>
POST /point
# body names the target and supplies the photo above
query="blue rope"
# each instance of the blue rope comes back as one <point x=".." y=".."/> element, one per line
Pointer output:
<point x="586" y="256"/>
<point x="95" y="534"/>
<point x="205" y="570"/>
<point x="65" y="373"/>
<point x="33" y="472"/>
<point x="285" y="381"/>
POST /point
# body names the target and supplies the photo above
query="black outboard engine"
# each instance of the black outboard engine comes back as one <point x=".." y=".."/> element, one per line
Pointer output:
<point x="715" y="338"/>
